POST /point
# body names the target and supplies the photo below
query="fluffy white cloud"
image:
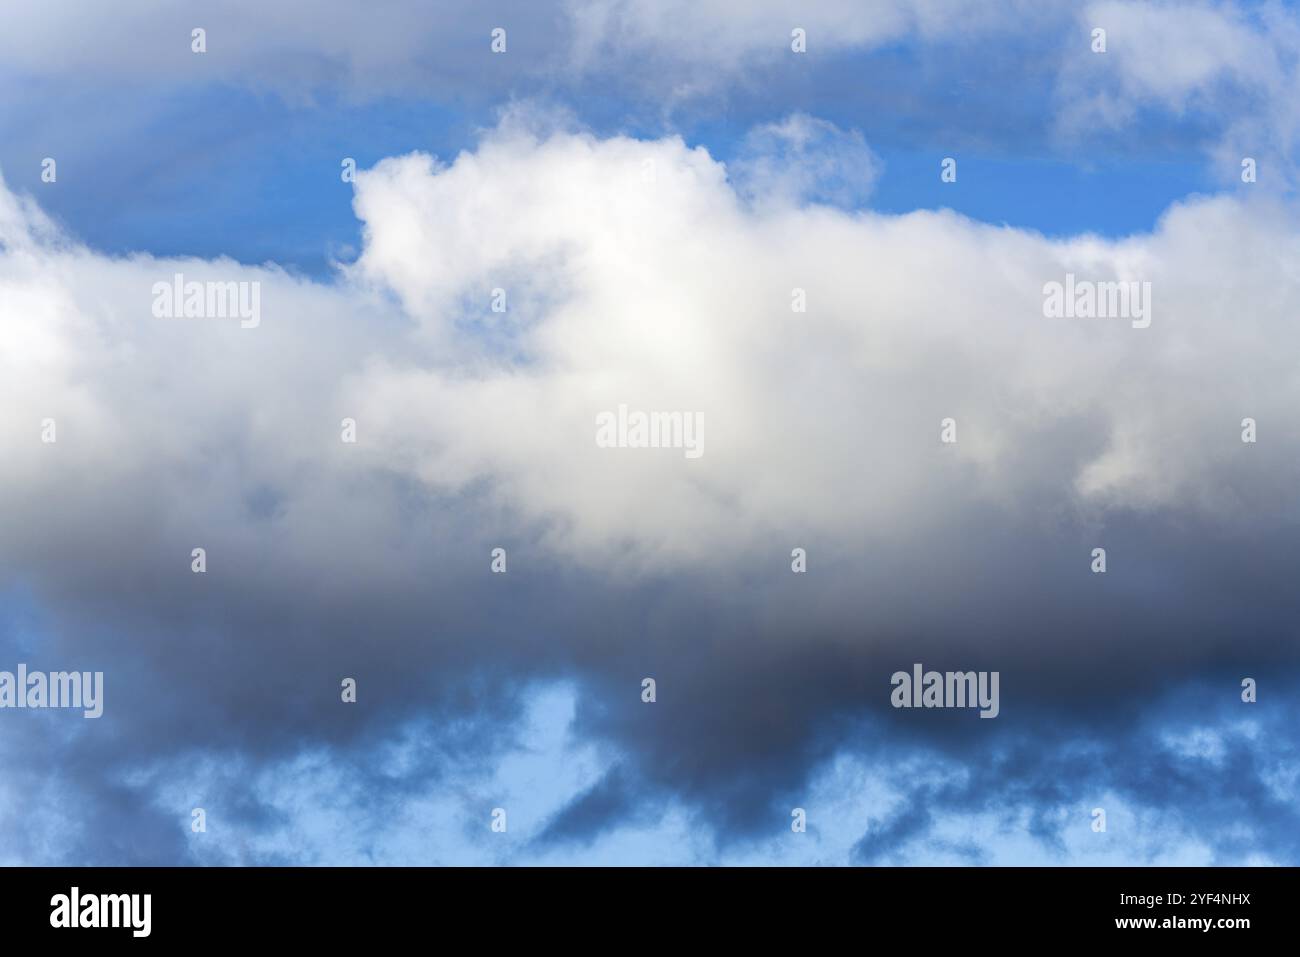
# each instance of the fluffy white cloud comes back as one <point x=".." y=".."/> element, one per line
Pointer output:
<point x="634" y="274"/>
<point x="672" y="294"/>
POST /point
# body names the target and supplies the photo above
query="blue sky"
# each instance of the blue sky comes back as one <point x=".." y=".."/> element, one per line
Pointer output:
<point x="271" y="191"/>
<point x="773" y="172"/>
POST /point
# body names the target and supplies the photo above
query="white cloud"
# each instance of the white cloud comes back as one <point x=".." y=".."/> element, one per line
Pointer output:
<point x="675" y="295"/>
<point x="1228" y="65"/>
<point x="803" y="159"/>
<point x="664" y="294"/>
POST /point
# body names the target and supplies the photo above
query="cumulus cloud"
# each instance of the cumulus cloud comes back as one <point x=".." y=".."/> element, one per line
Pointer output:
<point x="634" y="273"/>
<point x="668" y="292"/>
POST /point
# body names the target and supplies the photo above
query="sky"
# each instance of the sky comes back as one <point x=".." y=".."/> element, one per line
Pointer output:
<point x="650" y="206"/>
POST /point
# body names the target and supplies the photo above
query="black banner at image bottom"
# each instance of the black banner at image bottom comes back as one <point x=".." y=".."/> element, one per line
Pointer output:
<point x="146" y="906"/>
